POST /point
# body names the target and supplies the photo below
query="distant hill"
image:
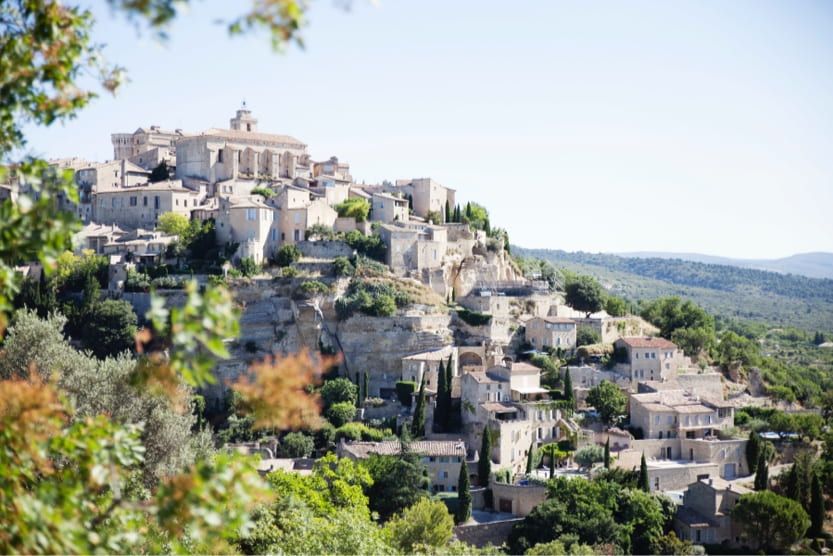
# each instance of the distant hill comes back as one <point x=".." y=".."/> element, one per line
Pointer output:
<point x="812" y="265"/>
<point x="729" y="291"/>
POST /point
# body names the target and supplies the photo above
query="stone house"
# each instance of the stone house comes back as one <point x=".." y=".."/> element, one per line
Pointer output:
<point x="678" y="413"/>
<point x="141" y="206"/>
<point x="333" y="168"/>
<point x="413" y="246"/>
<point x="442" y="458"/>
<point x="551" y="332"/>
<point x="299" y="211"/>
<point x="509" y="399"/>
<point x="150" y="141"/>
<point x="611" y="328"/>
<point x="388" y="208"/>
<point x="139" y="246"/>
<point x="705" y="516"/>
<point x="649" y="358"/>
<point x="250" y="222"/>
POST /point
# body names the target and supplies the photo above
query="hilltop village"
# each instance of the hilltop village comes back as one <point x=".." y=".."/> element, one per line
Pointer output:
<point x="438" y="333"/>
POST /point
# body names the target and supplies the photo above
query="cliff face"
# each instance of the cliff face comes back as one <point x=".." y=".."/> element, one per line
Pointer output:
<point x="483" y="266"/>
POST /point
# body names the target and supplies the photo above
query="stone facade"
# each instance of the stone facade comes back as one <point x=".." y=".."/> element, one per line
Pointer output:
<point x="650" y="358"/>
<point x="677" y="413"/>
<point x="251" y="223"/>
<point x="551" y="332"/>
<point x="141" y="206"/>
<point x="705" y="516"/>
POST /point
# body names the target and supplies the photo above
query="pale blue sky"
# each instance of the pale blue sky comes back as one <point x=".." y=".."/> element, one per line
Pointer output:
<point x="701" y="126"/>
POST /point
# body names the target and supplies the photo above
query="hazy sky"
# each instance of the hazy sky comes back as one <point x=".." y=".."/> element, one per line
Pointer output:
<point x="701" y="126"/>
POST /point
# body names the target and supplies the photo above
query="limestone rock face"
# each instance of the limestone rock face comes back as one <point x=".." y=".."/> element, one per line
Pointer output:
<point x="377" y="344"/>
<point x="483" y="266"/>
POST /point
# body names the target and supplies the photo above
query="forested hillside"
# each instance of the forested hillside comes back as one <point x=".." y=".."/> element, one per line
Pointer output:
<point x="727" y="291"/>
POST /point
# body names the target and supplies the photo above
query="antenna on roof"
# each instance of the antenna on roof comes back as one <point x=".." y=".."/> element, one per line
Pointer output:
<point x="244" y="104"/>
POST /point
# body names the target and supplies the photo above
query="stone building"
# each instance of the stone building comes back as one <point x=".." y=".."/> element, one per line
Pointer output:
<point x="300" y="211"/>
<point x="649" y="358"/>
<point x="146" y="144"/>
<point x="251" y="223"/>
<point x="509" y="399"/>
<point x="240" y="152"/>
<point x="705" y="516"/>
<point x="442" y="458"/>
<point x="388" y="208"/>
<point x="413" y="246"/>
<point x="141" y="206"/>
<point x="678" y="413"/>
<point x="427" y="363"/>
<point x="551" y="333"/>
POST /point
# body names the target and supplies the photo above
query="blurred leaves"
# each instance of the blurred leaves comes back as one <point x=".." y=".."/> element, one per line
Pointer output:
<point x="276" y="394"/>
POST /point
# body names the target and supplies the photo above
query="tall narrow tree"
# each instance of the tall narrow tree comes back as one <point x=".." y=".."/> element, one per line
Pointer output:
<point x="463" y="512"/>
<point x="607" y="453"/>
<point x="753" y="451"/>
<point x="568" y="388"/>
<point x="644" y="483"/>
<point x="484" y="464"/>
<point x="447" y="211"/>
<point x="762" y="474"/>
<point x="816" y="508"/>
<point x="418" y="422"/>
<point x="440" y="412"/>
<point x="366" y="385"/>
<point x="530" y="459"/>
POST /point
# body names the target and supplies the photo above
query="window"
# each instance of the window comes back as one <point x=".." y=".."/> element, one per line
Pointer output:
<point x="274" y="234"/>
<point x="133" y="201"/>
<point x="144" y="201"/>
<point x="220" y="155"/>
<point x="156" y="201"/>
<point x="297" y="235"/>
<point x="251" y="214"/>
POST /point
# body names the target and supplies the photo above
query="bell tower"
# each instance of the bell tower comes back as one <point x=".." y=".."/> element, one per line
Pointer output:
<point x="244" y="121"/>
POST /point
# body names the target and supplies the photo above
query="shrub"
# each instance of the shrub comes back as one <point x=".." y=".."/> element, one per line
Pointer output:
<point x="587" y="335"/>
<point x="264" y="192"/>
<point x="248" y="267"/>
<point x="339" y="390"/>
<point x="297" y="445"/>
<point x="341" y="413"/>
<point x="319" y="232"/>
<point x="404" y="391"/>
<point x="371" y="298"/>
<point x="136" y="282"/>
<point x="369" y="246"/>
<point x="588" y="455"/>
<point x="310" y="289"/>
<point x="383" y="306"/>
<point x="343" y="267"/>
<point x="474" y="318"/>
<point x="359" y="431"/>
<point x="287" y="254"/>
<point x="167" y="283"/>
<point x="356" y="208"/>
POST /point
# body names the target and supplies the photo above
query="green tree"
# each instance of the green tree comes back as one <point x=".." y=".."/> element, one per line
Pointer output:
<point x="583" y="293"/>
<point x="443" y="400"/>
<point x="398" y="482"/>
<point x="447" y="211"/>
<point x="569" y="397"/>
<point x="339" y="390"/>
<point x="297" y="445"/>
<point x="608" y="400"/>
<point x="484" y="464"/>
<point x="287" y="254"/>
<point x="683" y="322"/>
<point x="463" y="512"/>
<point x="173" y="223"/>
<point x="530" y="459"/>
<point x="586" y="456"/>
<point x="160" y="173"/>
<point x="587" y="335"/>
<point x="616" y="306"/>
<point x="366" y="385"/>
<point x="357" y="208"/>
<point x="762" y="474"/>
<point x="772" y="522"/>
<point x="341" y="413"/>
<point x="109" y="328"/>
<point x="418" y="421"/>
<point x="644" y="483"/>
<point x="817" y="511"/>
<point x="753" y="450"/>
<point x="607" y="453"/>
<point x="426" y="524"/>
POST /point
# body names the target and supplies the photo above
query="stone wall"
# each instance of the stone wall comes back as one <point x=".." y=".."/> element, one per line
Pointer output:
<point x="495" y="533"/>
<point x="523" y="499"/>
<point x="706" y="384"/>
<point x="324" y="249"/>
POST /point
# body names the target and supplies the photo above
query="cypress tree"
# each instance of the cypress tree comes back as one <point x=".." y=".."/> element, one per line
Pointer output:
<point x="440" y="412"/>
<point x="457" y="213"/>
<point x="791" y="486"/>
<point x="486" y="227"/>
<point x="449" y="377"/>
<point x="644" y="483"/>
<point x="418" y="422"/>
<point x="568" y="388"/>
<point x="484" y="465"/>
<point x="607" y="453"/>
<point x="530" y="458"/>
<point x="366" y="385"/>
<point x="447" y="211"/>
<point x="463" y="512"/>
<point x="816" y="508"/>
<point x="753" y="451"/>
<point x="762" y="474"/>
<point x="468" y="212"/>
